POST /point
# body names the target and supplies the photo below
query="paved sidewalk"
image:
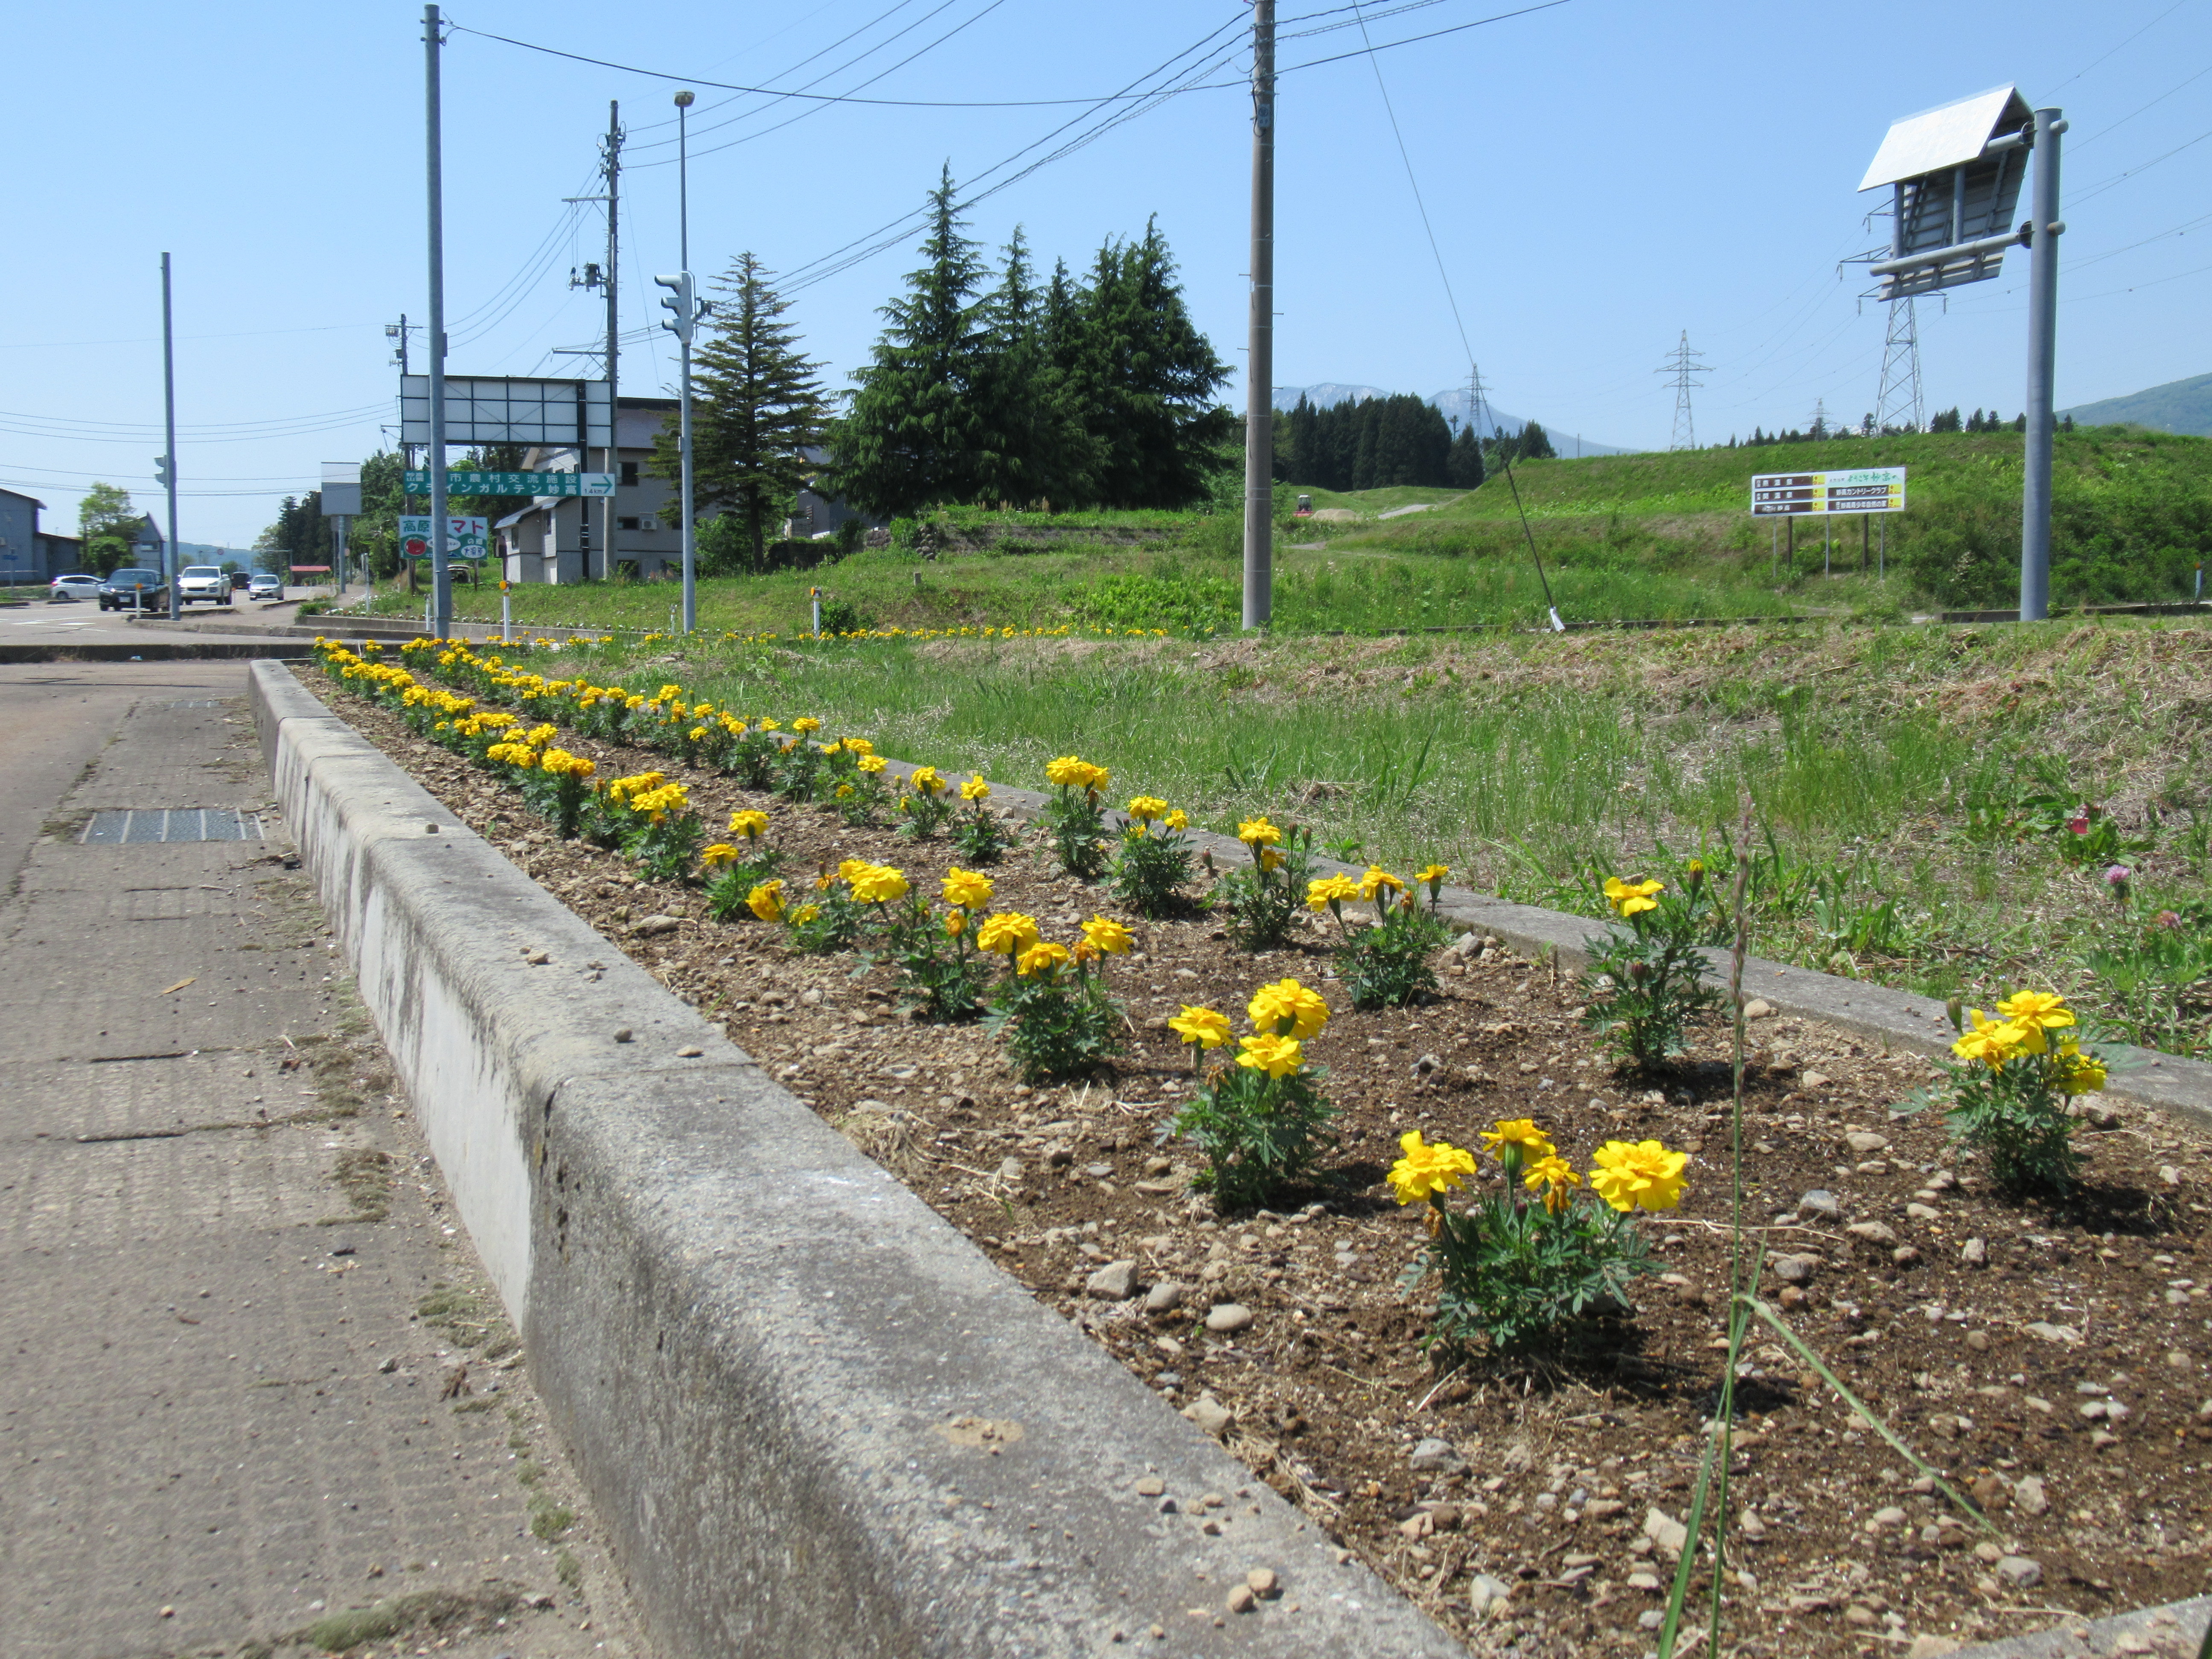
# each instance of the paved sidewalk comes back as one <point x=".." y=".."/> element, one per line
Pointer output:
<point x="251" y="1378"/>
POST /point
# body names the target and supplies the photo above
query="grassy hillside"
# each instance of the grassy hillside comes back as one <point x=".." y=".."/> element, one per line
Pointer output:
<point x="2131" y="513"/>
<point x="1621" y="536"/>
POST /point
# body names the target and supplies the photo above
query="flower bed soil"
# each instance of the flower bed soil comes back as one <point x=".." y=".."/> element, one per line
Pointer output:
<point x="1518" y="1501"/>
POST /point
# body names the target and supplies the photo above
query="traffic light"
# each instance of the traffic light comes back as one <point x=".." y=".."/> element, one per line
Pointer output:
<point x="682" y="303"/>
<point x="162" y="470"/>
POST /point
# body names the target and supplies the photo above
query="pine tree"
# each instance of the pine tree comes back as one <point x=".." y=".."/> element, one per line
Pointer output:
<point x="756" y="407"/>
<point x="1031" y="444"/>
<point x="914" y="427"/>
<point x="1144" y="378"/>
<point x="1534" y="444"/>
<point x="1463" y="467"/>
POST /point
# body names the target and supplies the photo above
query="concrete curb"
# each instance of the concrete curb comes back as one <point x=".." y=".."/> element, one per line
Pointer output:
<point x="2180" y="1087"/>
<point x="815" y="1418"/>
<point x="2176" y="1631"/>
<point x="150" y="651"/>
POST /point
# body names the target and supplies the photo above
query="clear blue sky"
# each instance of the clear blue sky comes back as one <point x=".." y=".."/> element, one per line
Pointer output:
<point x="1600" y="176"/>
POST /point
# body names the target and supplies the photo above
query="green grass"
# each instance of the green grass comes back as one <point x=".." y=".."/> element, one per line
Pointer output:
<point x="1661" y="537"/>
<point x="1534" y="764"/>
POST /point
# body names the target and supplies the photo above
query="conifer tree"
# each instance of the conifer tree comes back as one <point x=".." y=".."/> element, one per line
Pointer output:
<point x="1463" y="467"/>
<point x="914" y="427"/>
<point x="1032" y="446"/>
<point x="757" y="407"/>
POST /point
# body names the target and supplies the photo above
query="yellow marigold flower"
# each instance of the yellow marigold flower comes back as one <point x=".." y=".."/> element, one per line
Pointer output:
<point x="766" y="900"/>
<point x="845" y="792"/>
<point x="924" y="781"/>
<point x="1270" y="858"/>
<point x="538" y="736"/>
<point x="1278" y="1056"/>
<point x="1177" y="820"/>
<point x="1071" y="773"/>
<point x="859" y="746"/>
<point x="697" y="734"/>
<point x="1202" y="1026"/>
<point x="1644" y="1176"/>
<point x="805" y="913"/>
<point x="714" y="857"/>
<point x="1258" y="832"/>
<point x="956" y="923"/>
<point x="1632" y="898"/>
<point x="2043" y="1009"/>
<point x="1426" y="1168"/>
<point x="1287" y="999"/>
<point x="872" y="763"/>
<point x="1555" y="1175"/>
<point x="563" y="764"/>
<point x="1330" y="890"/>
<point x="777" y="726"/>
<point x="2077" y="1074"/>
<point x="749" y="822"/>
<point x="1379" y="880"/>
<point x="879" y="883"/>
<point x="1009" y="931"/>
<point x="1106" y="936"/>
<point x="1521" y="1134"/>
<point x="975" y="789"/>
<point x="804" y="723"/>
<point x="1146" y="808"/>
<point x="969" y="889"/>
<point x="1433" y="877"/>
<point x="1043" y="955"/>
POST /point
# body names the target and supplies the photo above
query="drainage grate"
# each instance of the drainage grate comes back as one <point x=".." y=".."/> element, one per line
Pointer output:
<point x="198" y="703"/>
<point x="148" y="824"/>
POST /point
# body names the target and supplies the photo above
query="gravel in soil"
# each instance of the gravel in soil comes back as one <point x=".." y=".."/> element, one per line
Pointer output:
<point x="2050" y="1359"/>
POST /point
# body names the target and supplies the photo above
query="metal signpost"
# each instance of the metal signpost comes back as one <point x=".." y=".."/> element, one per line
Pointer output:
<point x="417" y="482"/>
<point x="340" y="500"/>
<point x="1864" y="490"/>
<point x="1955" y="173"/>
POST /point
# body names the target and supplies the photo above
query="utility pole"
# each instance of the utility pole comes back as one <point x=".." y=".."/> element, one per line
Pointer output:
<point x="1682" y="363"/>
<point x="613" y="170"/>
<point x="441" y="583"/>
<point x="170" y="566"/>
<point x="1259" y="360"/>
<point x="2045" y="230"/>
<point x="685" y="303"/>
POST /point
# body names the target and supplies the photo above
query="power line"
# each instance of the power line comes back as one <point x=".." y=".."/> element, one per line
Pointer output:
<point x="2074" y="198"/>
<point x="2131" y="40"/>
<point x="2153" y="104"/>
<point x="149" y="429"/>
<point x="780" y="93"/>
<point x="789" y="68"/>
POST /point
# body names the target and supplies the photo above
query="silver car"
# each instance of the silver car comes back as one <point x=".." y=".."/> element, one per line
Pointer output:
<point x="210" y="582"/>
<point x="266" y="586"/>
<point x="74" y="585"/>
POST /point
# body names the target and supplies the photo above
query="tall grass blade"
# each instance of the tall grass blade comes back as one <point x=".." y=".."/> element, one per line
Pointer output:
<point x="1873" y="1422"/>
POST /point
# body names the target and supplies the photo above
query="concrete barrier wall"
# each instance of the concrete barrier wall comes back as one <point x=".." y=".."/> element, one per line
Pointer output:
<point x="814" y="1418"/>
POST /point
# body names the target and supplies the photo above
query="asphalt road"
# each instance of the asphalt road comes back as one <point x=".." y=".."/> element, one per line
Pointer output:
<point x="250" y="1376"/>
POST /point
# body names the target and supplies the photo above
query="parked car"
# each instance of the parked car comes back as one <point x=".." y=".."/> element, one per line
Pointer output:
<point x="134" y="589"/>
<point x="75" y="585"/>
<point x="265" y="587"/>
<point x="210" y="582"/>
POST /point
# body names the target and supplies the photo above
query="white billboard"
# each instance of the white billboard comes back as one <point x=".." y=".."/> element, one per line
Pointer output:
<point x="549" y="414"/>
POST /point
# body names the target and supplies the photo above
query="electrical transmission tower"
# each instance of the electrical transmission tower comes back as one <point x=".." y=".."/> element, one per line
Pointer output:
<point x="1682" y="363"/>
<point x="1897" y="406"/>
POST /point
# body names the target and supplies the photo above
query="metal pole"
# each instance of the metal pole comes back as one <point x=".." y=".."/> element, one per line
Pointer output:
<point x="614" y="330"/>
<point x="441" y="580"/>
<point x="170" y="566"/>
<point x="1260" y="361"/>
<point x="683" y="406"/>
<point x="2042" y="346"/>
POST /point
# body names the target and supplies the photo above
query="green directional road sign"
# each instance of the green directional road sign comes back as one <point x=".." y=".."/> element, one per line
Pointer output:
<point x="515" y="483"/>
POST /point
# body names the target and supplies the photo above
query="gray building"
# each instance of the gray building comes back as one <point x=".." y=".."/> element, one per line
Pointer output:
<point x="22" y="558"/>
<point x="556" y="537"/>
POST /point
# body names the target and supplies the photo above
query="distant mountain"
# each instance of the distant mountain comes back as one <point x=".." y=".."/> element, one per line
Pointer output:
<point x="1453" y="404"/>
<point x="2176" y="406"/>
